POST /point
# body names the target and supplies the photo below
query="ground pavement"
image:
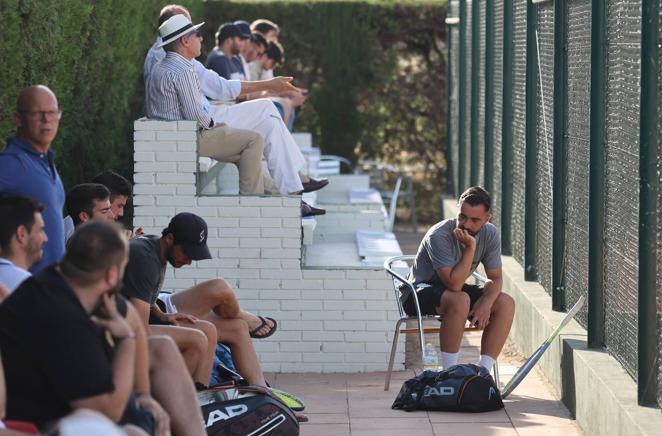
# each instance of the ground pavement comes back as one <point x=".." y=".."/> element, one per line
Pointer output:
<point x="357" y="405"/>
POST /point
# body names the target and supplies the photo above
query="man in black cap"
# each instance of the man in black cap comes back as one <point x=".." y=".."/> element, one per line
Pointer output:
<point x="208" y="303"/>
<point x="229" y="41"/>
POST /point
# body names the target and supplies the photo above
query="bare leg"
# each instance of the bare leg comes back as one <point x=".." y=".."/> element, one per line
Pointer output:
<point x="192" y="343"/>
<point x="172" y="387"/>
<point x="496" y="332"/>
<point x="454" y="307"/>
<point x="234" y="332"/>
<point x="216" y="296"/>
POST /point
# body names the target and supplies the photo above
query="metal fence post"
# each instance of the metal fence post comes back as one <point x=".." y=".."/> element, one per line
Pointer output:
<point x="560" y="156"/>
<point x="507" y="130"/>
<point x="531" y="139"/>
<point x="450" y="175"/>
<point x="489" y="95"/>
<point x="596" y="303"/>
<point x="462" y="153"/>
<point x="648" y="192"/>
<point x="475" y="62"/>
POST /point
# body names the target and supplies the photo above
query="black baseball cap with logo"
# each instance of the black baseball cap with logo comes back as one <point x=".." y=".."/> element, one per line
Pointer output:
<point x="190" y="231"/>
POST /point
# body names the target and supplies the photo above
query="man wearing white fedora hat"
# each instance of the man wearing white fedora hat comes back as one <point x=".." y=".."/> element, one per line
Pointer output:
<point x="283" y="157"/>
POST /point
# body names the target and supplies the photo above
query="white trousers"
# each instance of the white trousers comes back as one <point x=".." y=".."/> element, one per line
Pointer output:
<point x="284" y="159"/>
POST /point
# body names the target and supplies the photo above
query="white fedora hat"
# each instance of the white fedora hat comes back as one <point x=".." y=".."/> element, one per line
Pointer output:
<point x="175" y="27"/>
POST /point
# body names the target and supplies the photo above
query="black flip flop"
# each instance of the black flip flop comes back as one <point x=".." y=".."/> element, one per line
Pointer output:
<point x="254" y="333"/>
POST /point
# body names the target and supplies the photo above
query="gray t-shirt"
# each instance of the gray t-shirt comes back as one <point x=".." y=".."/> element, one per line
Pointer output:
<point x="144" y="274"/>
<point x="440" y="249"/>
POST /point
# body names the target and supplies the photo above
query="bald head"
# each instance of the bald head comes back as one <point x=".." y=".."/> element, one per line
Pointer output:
<point x="37" y="116"/>
<point x="32" y="94"/>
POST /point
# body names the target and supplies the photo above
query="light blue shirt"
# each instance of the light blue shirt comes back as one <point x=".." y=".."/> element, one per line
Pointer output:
<point x="10" y="275"/>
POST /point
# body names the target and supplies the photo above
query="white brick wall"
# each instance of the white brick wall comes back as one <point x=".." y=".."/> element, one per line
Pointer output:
<point x="329" y="320"/>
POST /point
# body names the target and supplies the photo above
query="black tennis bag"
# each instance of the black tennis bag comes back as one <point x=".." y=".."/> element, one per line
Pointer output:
<point x="235" y="410"/>
<point x="460" y="388"/>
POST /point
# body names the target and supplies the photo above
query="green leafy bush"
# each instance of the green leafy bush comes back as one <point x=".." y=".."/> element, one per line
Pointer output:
<point x="377" y="75"/>
<point x="90" y="53"/>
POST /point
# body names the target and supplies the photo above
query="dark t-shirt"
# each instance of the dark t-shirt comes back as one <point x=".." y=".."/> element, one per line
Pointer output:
<point x="51" y="350"/>
<point x="144" y="274"/>
<point x="224" y="67"/>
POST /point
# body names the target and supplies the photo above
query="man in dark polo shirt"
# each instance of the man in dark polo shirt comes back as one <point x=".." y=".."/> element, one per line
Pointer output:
<point x="65" y="343"/>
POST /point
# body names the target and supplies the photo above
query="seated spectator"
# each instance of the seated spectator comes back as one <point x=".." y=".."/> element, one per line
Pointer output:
<point x="184" y="99"/>
<point x="253" y="47"/>
<point x="120" y="193"/>
<point x="449" y="252"/>
<point x="27" y="164"/>
<point x="86" y="201"/>
<point x="22" y="239"/>
<point x="76" y="304"/>
<point x="223" y="57"/>
<point x="183" y="241"/>
<point x="89" y="201"/>
<point x="271" y="32"/>
<point x="273" y="56"/>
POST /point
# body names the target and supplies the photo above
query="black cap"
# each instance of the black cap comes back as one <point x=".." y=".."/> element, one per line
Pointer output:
<point x="190" y="231"/>
<point x="227" y="30"/>
<point x="244" y="28"/>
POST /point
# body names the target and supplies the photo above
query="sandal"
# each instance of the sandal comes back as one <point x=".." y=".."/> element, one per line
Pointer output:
<point x="263" y="322"/>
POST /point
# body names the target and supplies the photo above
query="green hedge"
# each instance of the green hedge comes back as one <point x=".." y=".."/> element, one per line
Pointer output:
<point x="91" y="54"/>
<point x="376" y="72"/>
<point x="374" y="69"/>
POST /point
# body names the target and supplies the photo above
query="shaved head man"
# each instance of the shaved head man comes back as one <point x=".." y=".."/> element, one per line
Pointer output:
<point x="27" y="164"/>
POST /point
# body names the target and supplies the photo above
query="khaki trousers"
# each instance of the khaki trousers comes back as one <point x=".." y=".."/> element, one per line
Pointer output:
<point x="241" y="147"/>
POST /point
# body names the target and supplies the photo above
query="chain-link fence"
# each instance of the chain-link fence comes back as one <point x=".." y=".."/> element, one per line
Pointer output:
<point x="564" y="94"/>
<point x="545" y="138"/>
<point x="578" y="61"/>
<point x="453" y="96"/>
<point x="659" y="215"/>
<point x="467" y="95"/>
<point x="621" y="209"/>
<point x="480" y="123"/>
<point x="519" y="130"/>
<point x="497" y="80"/>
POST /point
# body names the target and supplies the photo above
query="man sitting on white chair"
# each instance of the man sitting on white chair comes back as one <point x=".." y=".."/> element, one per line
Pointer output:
<point x="449" y="253"/>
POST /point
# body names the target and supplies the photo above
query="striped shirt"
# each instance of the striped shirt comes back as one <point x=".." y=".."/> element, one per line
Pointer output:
<point x="173" y="92"/>
<point x="212" y="85"/>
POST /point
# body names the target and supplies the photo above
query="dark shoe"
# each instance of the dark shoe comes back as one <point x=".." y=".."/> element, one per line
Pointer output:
<point x="308" y="210"/>
<point x="314" y="184"/>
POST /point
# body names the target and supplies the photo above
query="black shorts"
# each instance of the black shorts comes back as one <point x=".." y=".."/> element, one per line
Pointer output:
<point x="430" y="297"/>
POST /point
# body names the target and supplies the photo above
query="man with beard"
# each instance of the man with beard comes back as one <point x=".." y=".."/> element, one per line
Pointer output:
<point x="222" y="58"/>
<point x="88" y="358"/>
<point x="212" y="301"/>
<point x="449" y="252"/>
<point x="22" y="239"/>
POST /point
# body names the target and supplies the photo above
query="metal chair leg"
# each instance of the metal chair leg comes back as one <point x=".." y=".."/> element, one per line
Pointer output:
<point x="495" y="368"/>
<point x="394" y="347"/>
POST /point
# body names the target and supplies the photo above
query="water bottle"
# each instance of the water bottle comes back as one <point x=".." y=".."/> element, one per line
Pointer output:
<point x="430" y="357"/>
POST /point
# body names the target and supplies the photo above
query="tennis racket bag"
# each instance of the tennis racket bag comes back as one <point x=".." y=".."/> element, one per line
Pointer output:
<point x="235" y="410"/>
<point x="460" y="388"/>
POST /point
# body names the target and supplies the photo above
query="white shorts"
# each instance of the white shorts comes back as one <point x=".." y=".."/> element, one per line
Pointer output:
<point x="166" y="298"/>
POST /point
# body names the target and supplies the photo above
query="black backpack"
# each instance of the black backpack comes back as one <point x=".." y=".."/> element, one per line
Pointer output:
<point x="460" y="388"/>
<point x="240" y="410"/>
